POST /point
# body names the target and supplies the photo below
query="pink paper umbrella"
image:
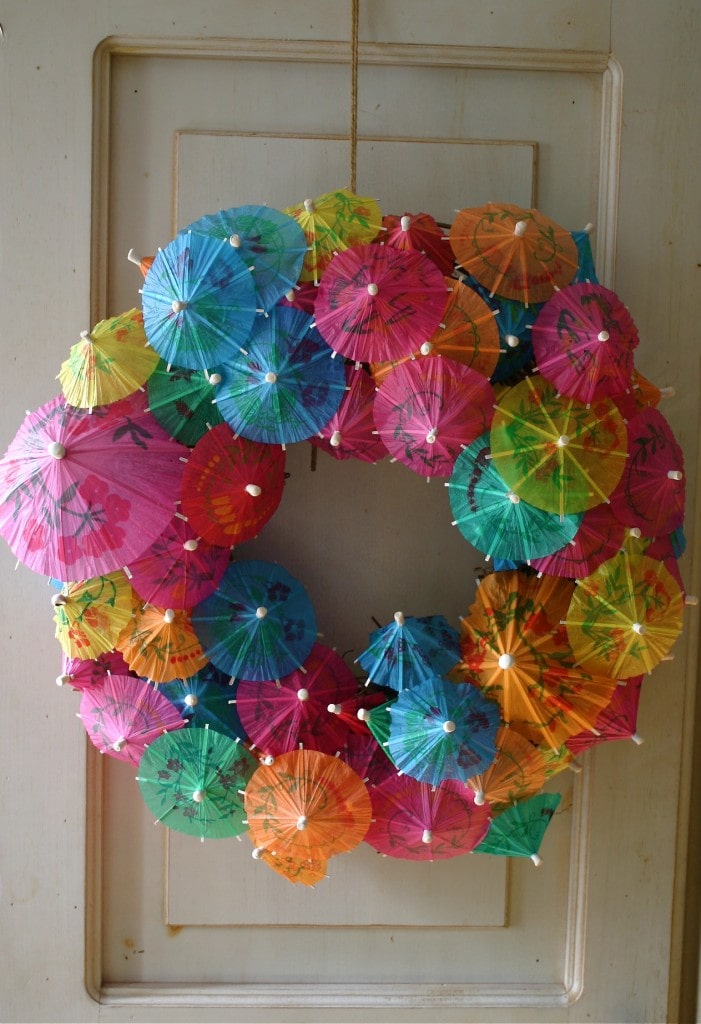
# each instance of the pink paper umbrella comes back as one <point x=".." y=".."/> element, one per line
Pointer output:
<point x="583" y="341"/>
<point x="418" y="232"/>
<point x="82" y="673"/>
<point x="278" y="715"/>
<point x="427" y="410"/>
<point x="617" y="721"/>
<point x="123" y="715"/>
<point x="179" y="569"/>
<point x="651" y="492"/>
<point x="82" y="494"/>
<point x="377" y="304"/>
<point x="598" y="538"/>
<point x="416" y="821"/>
<point x="350" y="433"/>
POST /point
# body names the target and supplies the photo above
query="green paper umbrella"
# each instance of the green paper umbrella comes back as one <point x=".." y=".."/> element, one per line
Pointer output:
<point x="181" y="401"/>
<point x="519" y="831"/>
<point x="192" y="780"/>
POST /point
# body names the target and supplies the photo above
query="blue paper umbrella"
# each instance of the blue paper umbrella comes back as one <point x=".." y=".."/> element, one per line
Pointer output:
<point x="287" y="385"/>
<point x="494" y="519"/>
<point x="199" y="302"/>
<point x="518" y="831"/>
<point x="258" y="624"/>
<point x="271" y="243"/>
<point x="409" y="650"/>
<point x="441" y="730"/>
<point x="206" y="698"/>
<point x="585" y="269"/>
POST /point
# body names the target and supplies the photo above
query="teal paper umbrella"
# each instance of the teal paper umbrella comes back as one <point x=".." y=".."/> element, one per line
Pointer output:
<point x="205" y="698"/>
<point x="585" y="265"/>
<point x="192" y="780"/>
<point x="182" y="401"/>
<point x="519" y="830"/>
<point x="494" y="519"/>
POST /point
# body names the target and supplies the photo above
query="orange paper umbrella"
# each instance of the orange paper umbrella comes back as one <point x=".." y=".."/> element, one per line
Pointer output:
<point x="515" y="649"/>
<point x="91" y="614"/>
<point x="518" y="771"/>
<point x="515" y="252"/>
<point x="160" y="644"/>
<point x="307" y="805"/>
<point x="624" y="618"/>
<point x="299" y="872"/>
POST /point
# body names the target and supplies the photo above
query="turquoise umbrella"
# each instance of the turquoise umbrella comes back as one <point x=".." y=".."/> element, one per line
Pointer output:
<point x="518" y="831"/>
<point x="206" y="698"/>
<point x="409" y="650"/>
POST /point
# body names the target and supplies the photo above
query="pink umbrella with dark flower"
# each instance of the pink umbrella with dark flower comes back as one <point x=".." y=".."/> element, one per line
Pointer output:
<point x="82" y="494"/>
<point x="350" y="433"/>
<point x="82" y="673"/>
<point x="599" y="536"/>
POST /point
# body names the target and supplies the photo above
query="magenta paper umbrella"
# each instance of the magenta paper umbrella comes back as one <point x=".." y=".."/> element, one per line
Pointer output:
<point x="419" y="232"/>
<point x="416" y="821"/>
<point x="82" y="494"/>
<point x="123" y="715"/>
<point x="365" y="755"/>
<point x="599" y="536"/>
<point x="350" y="433"/>
<point x="617" y="721"/>
<point x="82" y="673"/>
<point x="179" y="569"/>
<point x="279" y="715"/>
<point x="427" y="410"/>
<point x="377" y="304"/>
<point x="651" y="493"/>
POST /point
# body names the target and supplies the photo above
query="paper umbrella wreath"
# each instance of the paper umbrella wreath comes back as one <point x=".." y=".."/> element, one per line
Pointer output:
<point x="490" y="357"/>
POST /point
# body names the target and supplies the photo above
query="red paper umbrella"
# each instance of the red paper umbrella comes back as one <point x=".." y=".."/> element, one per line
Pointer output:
<point x="598" y="538"/>
<point x="179" y="569"/>
<point x="651" y="493"/>
<point x="123" y="715"/>
<point x="376" y="303"/>
<point x="302" y="296"/>
<point x="583" y="341"/>
<point x="426" y="410"/>
<point x="231" y="486"/>
<point x="641" y="393"/>
<point x="617" y="721"/>
<point x="415" y="821"/>
<point x="278" y="715"/>
<point x="421" y="233"/>
<point x="350" y="433"/>
<point x="365" y="756"/>
<point x="81" y="673"/>
<point x="350" y="713"/>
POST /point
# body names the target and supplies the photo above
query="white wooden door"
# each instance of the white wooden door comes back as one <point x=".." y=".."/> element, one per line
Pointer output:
<point x="123" y="122"/>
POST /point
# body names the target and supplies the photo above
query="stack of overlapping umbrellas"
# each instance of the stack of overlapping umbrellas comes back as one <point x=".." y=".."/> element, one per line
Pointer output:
<point x="487" y="355"/>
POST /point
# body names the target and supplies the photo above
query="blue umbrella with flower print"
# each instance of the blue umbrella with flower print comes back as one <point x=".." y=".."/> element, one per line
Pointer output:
<point x="258" y="624"/>
<point x="206" y="698"/>
<point x="409" y="650"/>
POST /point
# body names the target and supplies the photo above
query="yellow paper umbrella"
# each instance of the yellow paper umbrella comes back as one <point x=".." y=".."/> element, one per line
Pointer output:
<point x="160" y="644"/>
<point x="333" y="222"/>
<point x="91" y="614"/>
<point x="109" y="362"/>
<point x="555" y="452"/>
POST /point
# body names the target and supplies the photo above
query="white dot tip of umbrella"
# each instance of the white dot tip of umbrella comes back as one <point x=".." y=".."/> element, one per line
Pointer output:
<point x="258" y="852"/>
<point x="603" y="336"/>
<point x="363" y="714"/>
<point x="506" y="661"/>
<point x="190" y="545"/>
<point x="399" y="618"/>
<point x="268" y="759"/>
<point x="119" y="743"/>
<point x="335" y="439"/>
<point x="85" y="335"/>
<point x="427" y="836"/>
<point x="302" y="694"/>
<point x="192" y="700"/>
<point x="635" y="532"/>
<point x="63" y="680"/>
<point x="405" y="223"/>
<point x="214" y="378"/>
<point x="667" y="392"/>
<point x="479" y="797"/>
<point x="373" y="289"/>
<point x="261" y="612"/>
<point x="56" y="450"/>
<point x="637" y="738"/>
<point x="57" y="600"/>
<point x="309" y="205"/>
<point x="198" y="796"/>
<point x="675" y="474"/>
<point x="562" y="441"/>
<point x="270" y="377"/>
<point x="426" y="348"/>
<point x="513" y="498"/>
<point x="536" y="859"/>
<point x="691" y="600"/>
<point x="638" y="628"/>
<point x="431" y="436"/>
<point x="520" y="228"/>
<point x="253" y="489"/>
<point x="335" y="709"/>
<point x="302" y="822"/>
<point x="178" y="305"/>
<point x="511" y="340"/>
<point x="169" y="616"/>
<point x="133" y="258"/>
<point x="449" y="726"/>
<point x="235" y="241"/>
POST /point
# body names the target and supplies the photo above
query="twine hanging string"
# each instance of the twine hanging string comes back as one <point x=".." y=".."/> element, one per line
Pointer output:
<point x="355" y="5"/>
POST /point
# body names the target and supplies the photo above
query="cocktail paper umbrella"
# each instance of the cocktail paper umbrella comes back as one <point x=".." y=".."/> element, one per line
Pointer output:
<point x="652" y="491"/>
<point x="366" y="757"/>
<point x="626" y="616"/>
<point x="123" y="715"/>
<point x="519" y="830"/>
<point x="331" y="222"/>
<point x="279" y="715"/>
<point x="377" y="719"/>
<point x="514" y="322"/>
<point x="199" y="302"/>
<point x="413" y="820"/>
<point x="299" y="871"/>
<point x="271" y="243"/>
<point x="109" y="362"/>
<point x="182" y="401"/>
<point x="302" y="296"/>
<point x="515" y="649"/>
<point x="231" y="486"/>
<point x="515" y="252"/>
<point x="160" y="644"/>
<point x="81" y="673"/>
<point x="205" y="698"/>
<point x="558" y="759"/>
<point x="81" y="494"/>
<point x="143" y="263"/>
<point x="348" y="706"/>
<point x="286" y="386"/>
<point x="192" y="781"/>
<point x="90" y="614"/>
<point x="598" y="538"/>
<point x="641" y="394"/>
<point x="350" y="433"/>
<point x="585" y="256"/>
<point x="418" y="232"/>
<point x="308" y="805"/>
<point x="518" y="771"/>
<point x="494" y="518"/>
<point x="617" y="721"/>
<point x="427" y="410"/>
<point x="442" y="730"/>
<point x="179" y="569"/>
<point x="583" y="340"/>
<point x="259" y="623"/>
<point x="409" y="650"/>
<point x="377" y="304"/>
<point x="556" y="452"/>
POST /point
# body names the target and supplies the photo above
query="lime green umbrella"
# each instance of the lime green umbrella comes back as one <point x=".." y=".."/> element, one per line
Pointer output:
<point x="519" y="830"/>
